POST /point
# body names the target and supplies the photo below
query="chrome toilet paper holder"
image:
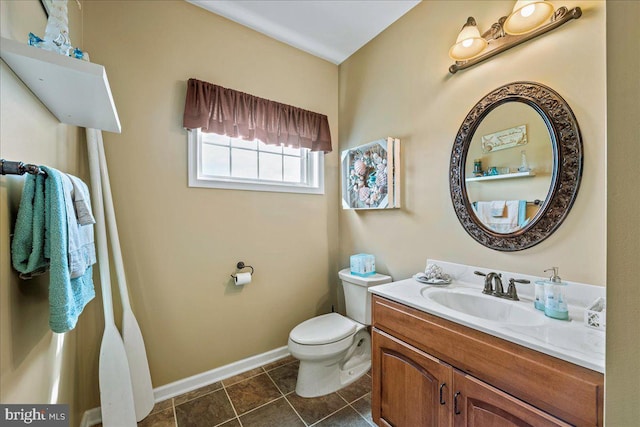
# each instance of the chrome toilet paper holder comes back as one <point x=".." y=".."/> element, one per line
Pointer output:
<point x="241" y="266"/>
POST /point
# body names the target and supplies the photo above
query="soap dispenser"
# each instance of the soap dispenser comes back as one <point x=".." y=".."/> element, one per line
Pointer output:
<point x="555" y="302"/>
<point x="538" y="302"/>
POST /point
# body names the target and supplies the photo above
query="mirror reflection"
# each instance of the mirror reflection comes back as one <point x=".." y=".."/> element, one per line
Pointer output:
<point x="509" y="168"/>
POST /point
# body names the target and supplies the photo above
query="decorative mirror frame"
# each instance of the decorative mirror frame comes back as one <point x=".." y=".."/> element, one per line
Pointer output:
<point x="567" y="165"/>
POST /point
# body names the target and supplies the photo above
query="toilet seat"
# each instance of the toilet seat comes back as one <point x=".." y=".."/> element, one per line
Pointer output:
<point x="324" y="329"/>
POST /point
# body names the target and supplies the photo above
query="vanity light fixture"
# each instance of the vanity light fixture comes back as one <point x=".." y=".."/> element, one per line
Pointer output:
<point x="529" y="19"/>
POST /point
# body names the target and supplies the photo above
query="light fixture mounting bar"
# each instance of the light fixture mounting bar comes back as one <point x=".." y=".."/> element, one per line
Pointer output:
<point x="499" y="41"/>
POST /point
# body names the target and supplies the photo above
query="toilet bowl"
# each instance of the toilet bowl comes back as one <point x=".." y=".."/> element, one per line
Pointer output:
<point x="335" y="350"/>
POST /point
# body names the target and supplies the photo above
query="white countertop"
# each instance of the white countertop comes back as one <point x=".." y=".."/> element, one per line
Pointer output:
<point x="570" y="340"/>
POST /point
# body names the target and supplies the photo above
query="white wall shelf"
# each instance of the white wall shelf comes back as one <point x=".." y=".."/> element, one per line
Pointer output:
<point x="76" y="92"/>
<point x="502" y="176"/>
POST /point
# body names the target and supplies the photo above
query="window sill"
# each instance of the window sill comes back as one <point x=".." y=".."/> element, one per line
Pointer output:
<point x="252" y="186"/>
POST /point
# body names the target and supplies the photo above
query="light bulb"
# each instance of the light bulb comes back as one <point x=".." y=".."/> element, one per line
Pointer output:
<point x="528" y="10"/>
<point x="467" y="42"/>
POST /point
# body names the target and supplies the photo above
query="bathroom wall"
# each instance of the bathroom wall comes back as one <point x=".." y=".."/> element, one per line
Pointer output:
<point x="623" y="202"/>
<point x="36" y="366"/>
<point x="399" y="85"/>
<point x="181" y="244"/>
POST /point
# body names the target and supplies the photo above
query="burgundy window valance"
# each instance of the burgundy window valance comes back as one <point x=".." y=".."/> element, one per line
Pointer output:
<point x="216" y="109"/>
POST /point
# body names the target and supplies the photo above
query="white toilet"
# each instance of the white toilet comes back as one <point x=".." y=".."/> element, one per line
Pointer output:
<point x="335" y="350"/>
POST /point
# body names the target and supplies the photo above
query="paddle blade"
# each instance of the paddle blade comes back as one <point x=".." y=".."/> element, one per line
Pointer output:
<point x="116" y="394"/>
<point x="138" y="365"/>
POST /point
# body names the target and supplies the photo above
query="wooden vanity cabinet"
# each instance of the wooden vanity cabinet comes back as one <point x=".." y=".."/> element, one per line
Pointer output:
<point x="477" y="404"/>
<point x="428" y="371"/>
<point x="413" y="388"/>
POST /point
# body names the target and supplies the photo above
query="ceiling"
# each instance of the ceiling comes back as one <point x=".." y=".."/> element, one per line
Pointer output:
<point x="329" y="29"/>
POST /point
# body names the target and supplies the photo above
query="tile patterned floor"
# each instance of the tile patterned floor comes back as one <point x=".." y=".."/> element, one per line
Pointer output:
<point x="265" y="397"/>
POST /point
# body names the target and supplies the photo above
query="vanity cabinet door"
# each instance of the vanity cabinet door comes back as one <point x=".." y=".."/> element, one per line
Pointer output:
<point x="410" y="388"/>
<point x="477" y="404"/>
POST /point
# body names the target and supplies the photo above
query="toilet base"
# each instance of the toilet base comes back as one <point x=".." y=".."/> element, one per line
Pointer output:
<point x="318" y="378"/>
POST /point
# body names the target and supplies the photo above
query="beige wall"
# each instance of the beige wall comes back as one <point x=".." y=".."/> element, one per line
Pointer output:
<point x="398" y="85"/>
<point x="623" y="233"/>
<point x="36" y="366"/>
<point x="181" y="244"/>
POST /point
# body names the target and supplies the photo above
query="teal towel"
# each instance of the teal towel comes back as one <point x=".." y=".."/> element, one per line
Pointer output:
<point x="40" y="240"/>
<point x="27" y="246"/>
<point x="522" y="213"/>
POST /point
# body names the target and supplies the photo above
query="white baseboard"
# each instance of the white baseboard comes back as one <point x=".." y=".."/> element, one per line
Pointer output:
<point x="167" y="391"/>
<point x="200" y="380"/>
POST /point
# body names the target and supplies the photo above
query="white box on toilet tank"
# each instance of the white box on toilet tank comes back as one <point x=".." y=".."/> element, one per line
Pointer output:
<point x="357" y="298"/>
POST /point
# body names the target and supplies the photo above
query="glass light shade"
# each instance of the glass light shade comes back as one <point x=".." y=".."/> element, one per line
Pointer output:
<point x="528" y="15"/>
<point x="469" y="43"/>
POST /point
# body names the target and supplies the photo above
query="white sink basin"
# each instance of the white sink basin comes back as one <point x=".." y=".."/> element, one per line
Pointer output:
<point x="486" y="307"/>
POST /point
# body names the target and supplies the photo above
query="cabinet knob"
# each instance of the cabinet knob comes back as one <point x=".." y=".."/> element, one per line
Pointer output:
<point x="455" y="403"/>
<point x="442" y="386"/>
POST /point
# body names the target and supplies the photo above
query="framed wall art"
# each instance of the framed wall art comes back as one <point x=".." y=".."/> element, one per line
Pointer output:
<point x="507" y="138"/>
<point x="371" y="175"/>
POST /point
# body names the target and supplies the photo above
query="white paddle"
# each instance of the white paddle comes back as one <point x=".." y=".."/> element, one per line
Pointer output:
<point x="133" y="342"/>
<point x="116" y="394"/>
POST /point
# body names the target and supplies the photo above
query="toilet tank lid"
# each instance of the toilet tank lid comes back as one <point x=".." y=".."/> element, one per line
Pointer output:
<point x="374" y="279"/>
<point x="323" y="329"/>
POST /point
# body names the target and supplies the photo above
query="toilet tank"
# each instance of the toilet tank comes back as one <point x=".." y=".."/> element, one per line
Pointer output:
<point x="357" y="298"/>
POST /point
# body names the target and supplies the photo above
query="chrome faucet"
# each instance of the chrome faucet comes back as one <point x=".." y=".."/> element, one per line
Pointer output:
<point x="493" y="285"/>
<point x="489" y="280"/>
<point x="495" y="279"/>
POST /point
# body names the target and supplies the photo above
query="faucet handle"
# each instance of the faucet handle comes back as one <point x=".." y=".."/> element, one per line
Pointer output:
<point x="512" y="293"/>
<point x="487" y="282"/>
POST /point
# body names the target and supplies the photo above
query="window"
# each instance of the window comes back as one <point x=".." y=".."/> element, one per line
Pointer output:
<point x="217" y="161"/>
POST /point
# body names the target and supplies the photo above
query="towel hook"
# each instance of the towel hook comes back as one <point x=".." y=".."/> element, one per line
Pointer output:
<point x="241" y="265"/>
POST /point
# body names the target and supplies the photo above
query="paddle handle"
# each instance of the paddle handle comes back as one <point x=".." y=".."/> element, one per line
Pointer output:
<point x="101" y="232"/>
<point x="112" y="226"/>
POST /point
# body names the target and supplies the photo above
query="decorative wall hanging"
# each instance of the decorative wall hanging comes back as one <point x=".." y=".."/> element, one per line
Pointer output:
<point x="507" y="138"/>
<point x="371" y="175"/>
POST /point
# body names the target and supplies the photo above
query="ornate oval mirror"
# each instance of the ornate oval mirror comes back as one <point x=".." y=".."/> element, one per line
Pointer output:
<point x="516" y="166"/>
